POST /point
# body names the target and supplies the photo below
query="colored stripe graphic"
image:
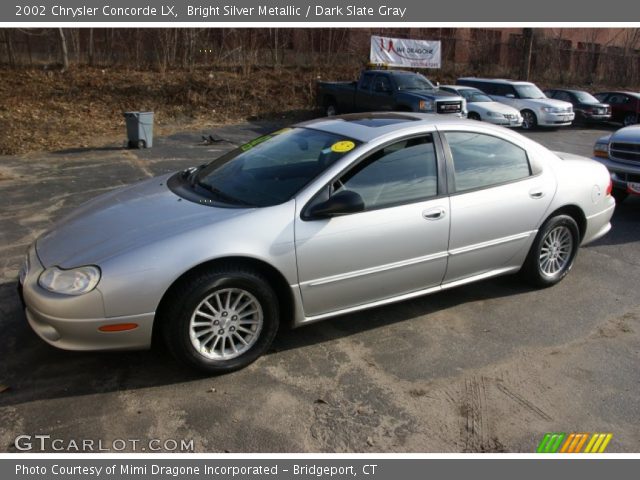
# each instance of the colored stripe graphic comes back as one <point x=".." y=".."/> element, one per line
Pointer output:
<point x="550" y="443"/>
<point x="556" y="442"/>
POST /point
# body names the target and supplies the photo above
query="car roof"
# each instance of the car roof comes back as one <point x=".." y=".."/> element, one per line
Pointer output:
<point x="460" y="87"/>
<point x="624" y="92"/>
<point x="400" y="72"/>
<point x="365" y="127"/>
<point x="569" y="90"/>
<point x="497" y="80"/>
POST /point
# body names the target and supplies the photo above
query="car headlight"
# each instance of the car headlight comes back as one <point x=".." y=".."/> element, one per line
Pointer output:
<point x="549" y="109"/>
<point x="75" y="281"/>
<point x="601" y="150"/>
<point x="426" y="105"/>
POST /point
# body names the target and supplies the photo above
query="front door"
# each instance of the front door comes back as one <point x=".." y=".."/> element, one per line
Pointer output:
<point x="397" y="245"/>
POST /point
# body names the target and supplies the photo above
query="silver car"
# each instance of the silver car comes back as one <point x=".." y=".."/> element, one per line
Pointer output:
<point x="317" y="220"/>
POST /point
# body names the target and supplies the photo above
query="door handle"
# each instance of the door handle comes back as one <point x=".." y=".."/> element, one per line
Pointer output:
<point x="434" y="213"/>
<point x="535" y="193"/>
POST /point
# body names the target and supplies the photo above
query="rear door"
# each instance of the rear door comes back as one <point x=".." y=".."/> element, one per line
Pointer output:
<point x="498" y="198"/>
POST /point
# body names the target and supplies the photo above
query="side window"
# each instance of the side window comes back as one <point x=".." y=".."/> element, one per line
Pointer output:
<point x="382" y="84"/>
<point x="563" y="96"/>
<point x="365" y="83"/>
<point x="488" y="88"/>
<point x="403" y="172"/>
<point x="618" y="99"/>
<point x="601" y="96"/>
<point x="483" y="160"/>
<point x="502" y="90"/>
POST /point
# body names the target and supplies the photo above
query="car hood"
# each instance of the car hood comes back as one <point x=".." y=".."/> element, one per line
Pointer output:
<point x="548" y="102"/>
<point x="429" y="94"/>
<point x="592" y="105"/>
<point x="493" y="107"/>
<point x="122" y="220"/>
<point x="629" y="134"/>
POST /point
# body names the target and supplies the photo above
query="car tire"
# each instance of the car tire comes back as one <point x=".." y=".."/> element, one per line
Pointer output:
<point x="474" y="116"/>
<point x="331" y="110"/>
<point x="630" y="119"/>
<point x="620" y="195"/>
<point x="553" y="252"/>
<point x="529" y="120"/>
<point x="228" y="312"/>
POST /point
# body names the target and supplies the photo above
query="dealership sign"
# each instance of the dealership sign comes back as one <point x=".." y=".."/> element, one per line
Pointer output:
<point x="403" y="52"/>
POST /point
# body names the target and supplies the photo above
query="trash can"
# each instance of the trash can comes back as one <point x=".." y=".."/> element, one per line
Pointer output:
<point x="139" y="129"/>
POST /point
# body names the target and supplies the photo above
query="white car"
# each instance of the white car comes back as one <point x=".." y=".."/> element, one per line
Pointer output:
<point x="536" y="108"/>
<point x="482" y="107"/>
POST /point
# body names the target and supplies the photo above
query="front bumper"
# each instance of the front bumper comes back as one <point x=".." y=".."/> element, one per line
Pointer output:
<point x="621" y="173"/>
<point x="73" y="322"/>
<point x="597" y="118"/>
<point x="555" y="119"/>
<point x="505" y="122"/>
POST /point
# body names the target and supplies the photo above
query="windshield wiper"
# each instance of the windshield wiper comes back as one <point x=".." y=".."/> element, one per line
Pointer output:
<point x="224" y="197"/>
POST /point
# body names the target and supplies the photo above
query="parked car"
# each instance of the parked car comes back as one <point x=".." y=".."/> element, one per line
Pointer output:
<point x="620" y="153"/>
<point x="588" y="109"/>
<point x="625" y="106"/>
<point x="325" y="218"/>
<point x="482" y="107"/>
<point x="536" y="109"/>
<point x="387" y="90"/>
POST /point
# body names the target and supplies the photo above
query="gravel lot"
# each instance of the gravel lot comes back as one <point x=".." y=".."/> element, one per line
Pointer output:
<point x="486" y="367"/>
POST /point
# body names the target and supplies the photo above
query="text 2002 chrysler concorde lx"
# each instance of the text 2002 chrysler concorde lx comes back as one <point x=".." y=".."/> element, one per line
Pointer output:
<point x="313" y="221"/>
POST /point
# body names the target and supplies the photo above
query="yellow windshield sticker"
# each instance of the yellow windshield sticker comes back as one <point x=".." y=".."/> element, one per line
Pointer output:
<point x="343" y="146"/>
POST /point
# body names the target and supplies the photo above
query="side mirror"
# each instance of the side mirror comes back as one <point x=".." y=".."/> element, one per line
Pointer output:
<point x="510" y="95"/>
<point x="342" y="203"/>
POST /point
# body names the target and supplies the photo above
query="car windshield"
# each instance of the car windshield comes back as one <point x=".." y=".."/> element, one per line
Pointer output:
<point x="585" y="97"/>
<point x="271" y="169"/>
<point x="529" y="91"/>
<point x="413" y="82"/>
<point x="475" y="96"/>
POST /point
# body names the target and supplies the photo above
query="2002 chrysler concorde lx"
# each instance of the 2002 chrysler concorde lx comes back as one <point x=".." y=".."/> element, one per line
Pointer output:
<point x="321" y="219"/>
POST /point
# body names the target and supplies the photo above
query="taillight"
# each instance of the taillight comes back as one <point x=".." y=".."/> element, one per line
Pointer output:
<point x="610" y="187"/>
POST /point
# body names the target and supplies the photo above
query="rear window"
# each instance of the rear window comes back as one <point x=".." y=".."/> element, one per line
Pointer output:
<point x="481" y="160"/>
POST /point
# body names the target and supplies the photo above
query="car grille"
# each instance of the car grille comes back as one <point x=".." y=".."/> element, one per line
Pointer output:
<point x="448" y="107"/>
<point x="625" y="151"/>
<point x="510" y="116"/>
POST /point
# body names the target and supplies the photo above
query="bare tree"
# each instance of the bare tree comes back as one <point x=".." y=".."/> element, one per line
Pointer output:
<point x="64" y="54"/>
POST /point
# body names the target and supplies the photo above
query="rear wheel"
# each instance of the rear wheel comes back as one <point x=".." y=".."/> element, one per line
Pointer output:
<point x="220" y="321"/>
<point x="529" y="120"/>
<point x="553" y="251"/>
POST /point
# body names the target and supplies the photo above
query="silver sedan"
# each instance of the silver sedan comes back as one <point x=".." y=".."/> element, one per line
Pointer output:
<point x="317" y="220"/>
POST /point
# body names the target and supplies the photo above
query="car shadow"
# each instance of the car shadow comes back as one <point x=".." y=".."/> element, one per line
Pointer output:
<point x="32" y="370"/>
<point x="625" y="224"/>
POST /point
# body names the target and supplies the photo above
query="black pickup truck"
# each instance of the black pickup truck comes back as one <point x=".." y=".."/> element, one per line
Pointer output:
<point x="392" y="90"/>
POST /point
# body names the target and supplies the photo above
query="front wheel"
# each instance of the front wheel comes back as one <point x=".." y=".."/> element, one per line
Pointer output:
<point x="529" y="120"/>
<point x="473" y="116"/>
<point x="630" y="119"/>
<point x="220" y="321"/>
<point x="553" y="251"/>
<point x="331" y="110"/>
